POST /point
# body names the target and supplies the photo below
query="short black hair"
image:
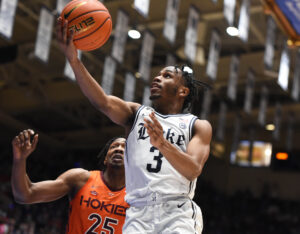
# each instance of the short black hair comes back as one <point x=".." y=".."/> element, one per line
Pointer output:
<point x="102" y="154"/>
<point x="192" y="84"/>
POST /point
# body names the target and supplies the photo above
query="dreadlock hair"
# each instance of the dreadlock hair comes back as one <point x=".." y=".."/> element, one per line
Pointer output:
<point x="102" y="154"/>
<point x="192" y="84"/>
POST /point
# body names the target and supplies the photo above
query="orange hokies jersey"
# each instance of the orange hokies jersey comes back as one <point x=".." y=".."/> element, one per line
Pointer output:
<point x="97" y="209"/>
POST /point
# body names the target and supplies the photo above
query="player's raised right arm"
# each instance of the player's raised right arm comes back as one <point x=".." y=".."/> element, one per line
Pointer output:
<point x="115" y="108"/>
<point x="27" y="192"/>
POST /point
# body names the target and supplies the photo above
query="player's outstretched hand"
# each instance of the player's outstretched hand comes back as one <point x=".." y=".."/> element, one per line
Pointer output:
<point x="64" y="40"/>
<point x="22" y="144"/>
<point x="155" y="131"/>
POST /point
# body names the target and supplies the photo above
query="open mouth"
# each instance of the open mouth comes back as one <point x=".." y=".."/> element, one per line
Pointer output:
<point x="117" y="157"/>
<point x="155" y="87"/>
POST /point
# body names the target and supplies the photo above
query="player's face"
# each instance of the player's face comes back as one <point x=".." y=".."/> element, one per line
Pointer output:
<point x="115" y="153"/>
<point x="166" y="83"/>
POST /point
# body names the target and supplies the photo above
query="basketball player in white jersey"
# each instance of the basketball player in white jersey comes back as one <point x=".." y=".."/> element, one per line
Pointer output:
<point x="165" y="150"/>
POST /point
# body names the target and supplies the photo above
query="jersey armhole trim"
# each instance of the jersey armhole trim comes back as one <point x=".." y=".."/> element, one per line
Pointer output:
<point x="191" y="127"/>
<point x="133" y="125"/>
<point x="136" y="118"/>
<point x="92" y="175"/>
<point x="171" y="115"/>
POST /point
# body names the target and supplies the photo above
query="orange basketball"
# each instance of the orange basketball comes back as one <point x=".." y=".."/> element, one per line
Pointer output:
<point x="90" y="21"/>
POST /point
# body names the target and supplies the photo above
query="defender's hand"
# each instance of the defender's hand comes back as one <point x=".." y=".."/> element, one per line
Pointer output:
<point x="154" y="130"/>
<point x="64" y="40"/>
<point x="22" y="144"/>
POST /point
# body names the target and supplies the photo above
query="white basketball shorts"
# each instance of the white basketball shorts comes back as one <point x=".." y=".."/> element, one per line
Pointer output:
<point x="176" y="216"/>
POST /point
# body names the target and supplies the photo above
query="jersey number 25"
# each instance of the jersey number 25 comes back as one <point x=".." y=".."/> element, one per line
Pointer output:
<point x="106" y="225"/>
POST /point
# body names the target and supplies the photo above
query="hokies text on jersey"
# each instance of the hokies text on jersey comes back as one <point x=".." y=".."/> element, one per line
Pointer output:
<point x="102" y="205"/>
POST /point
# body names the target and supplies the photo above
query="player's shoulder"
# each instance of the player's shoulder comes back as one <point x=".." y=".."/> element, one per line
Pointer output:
<point x="203" y="126"/>
<point x="77" y="171"/>
<point x="77" y="179"/>
<point x="134" y="106"/>
<point x="76" y="175"/>
<point x="203" y="122"/>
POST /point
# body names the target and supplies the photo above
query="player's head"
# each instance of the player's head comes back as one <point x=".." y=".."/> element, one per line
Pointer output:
<point x="174" y="82"/>
<point x="112" y="154"/>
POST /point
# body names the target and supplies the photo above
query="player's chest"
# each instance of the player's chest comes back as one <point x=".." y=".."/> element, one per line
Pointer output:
<point x="102" y="201"/>
<point x="174" y="132"/>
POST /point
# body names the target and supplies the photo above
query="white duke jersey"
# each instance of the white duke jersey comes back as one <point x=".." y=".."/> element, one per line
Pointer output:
<point x="147" y="170"/>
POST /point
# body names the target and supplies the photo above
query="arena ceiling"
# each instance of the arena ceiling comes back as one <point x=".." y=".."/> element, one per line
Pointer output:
<point x="38" y="96"/>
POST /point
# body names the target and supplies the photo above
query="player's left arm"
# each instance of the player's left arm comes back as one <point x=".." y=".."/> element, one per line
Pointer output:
<point x="199" y="146"/>
<point x="191" y="162"/>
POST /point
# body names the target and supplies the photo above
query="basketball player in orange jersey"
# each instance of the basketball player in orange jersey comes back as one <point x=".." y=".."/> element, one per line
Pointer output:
<point x="166" y="149"/>
<point x="96" y="197"/>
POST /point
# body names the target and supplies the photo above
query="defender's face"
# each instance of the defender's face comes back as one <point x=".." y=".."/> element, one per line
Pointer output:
<point x="166" y="83"/>
<point x="115" y="153"/>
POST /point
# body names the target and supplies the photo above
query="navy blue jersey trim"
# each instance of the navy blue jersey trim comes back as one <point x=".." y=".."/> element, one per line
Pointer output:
<point x="171" y="115"/>
<point x="192" y="126"/>
<point x="194" y="215"/>
<point x="191" y="186"/>
<point x="126" y="154"/>
<point x="193" y="208"/>
<point x="136" y="118"/>
<point x="133" y="125"/>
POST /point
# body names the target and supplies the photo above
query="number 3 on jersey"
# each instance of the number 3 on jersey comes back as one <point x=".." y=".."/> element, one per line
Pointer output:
<point x="106" y="226"/>
<point x="157" y="158"/>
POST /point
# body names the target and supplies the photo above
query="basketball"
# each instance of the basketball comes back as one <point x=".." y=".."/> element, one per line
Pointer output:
<point x="90" y="21"/>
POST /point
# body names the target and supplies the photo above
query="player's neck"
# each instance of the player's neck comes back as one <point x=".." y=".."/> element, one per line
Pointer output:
<point x="114" y="178"/>
<point x="168" y="108"/>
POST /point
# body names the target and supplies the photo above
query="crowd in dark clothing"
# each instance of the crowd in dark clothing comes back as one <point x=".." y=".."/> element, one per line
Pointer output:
<point x="241" y="213"/>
